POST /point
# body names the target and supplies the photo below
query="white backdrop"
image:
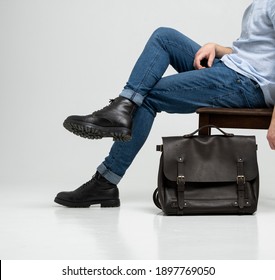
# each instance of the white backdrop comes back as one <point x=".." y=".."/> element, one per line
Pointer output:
<point x="63" y="57"/>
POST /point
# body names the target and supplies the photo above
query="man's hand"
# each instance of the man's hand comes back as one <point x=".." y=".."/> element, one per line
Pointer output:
<point x="207" y="53"/>
<point x="271" y="132"/>
<point x="205" y="56"/>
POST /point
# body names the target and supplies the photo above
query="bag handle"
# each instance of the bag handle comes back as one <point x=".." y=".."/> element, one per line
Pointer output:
<point x="208" y="126"/>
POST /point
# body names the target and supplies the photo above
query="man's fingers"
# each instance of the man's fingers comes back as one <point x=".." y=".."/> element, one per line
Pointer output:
<point x="211" y="59"/>
<point x="271" y="139"/>
<point x="197" y="61"/>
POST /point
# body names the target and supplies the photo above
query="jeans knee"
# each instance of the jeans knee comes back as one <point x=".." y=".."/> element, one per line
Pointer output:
<point x="163" y="32"/>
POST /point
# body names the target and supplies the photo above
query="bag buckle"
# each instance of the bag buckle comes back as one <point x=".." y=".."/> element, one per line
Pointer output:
<point x="241" y="180"/>
<point x="180" y="180"/>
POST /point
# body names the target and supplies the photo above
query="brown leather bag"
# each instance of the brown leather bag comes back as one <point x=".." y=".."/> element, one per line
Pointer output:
<point x="216" y="174"/>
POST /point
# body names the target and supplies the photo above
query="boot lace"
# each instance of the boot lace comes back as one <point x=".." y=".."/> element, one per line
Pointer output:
<point x="110" y="102"/>
<point x="87" y="184"/>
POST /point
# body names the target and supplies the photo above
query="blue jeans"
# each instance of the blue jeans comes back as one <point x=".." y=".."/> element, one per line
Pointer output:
<point x="184" y="92"/>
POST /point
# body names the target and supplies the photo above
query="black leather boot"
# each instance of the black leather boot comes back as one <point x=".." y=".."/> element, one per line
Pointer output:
<point x="114" y="120"/>
<point x="96" y="191"/>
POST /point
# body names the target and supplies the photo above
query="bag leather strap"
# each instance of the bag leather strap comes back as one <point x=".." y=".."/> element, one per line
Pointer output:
<point x="241" y="182"/>
<point x="180" y="183"/>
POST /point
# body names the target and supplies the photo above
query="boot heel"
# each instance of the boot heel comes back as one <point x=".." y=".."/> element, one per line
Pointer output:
<point x="111" y="203"/>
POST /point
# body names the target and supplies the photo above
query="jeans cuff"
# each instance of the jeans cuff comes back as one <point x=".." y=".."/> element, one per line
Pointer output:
<point x="108" y="174"/>
<point x="136" y="97"/>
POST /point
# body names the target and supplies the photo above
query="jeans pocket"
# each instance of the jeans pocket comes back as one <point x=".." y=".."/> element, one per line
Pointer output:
<point x="253" y="93"/>
<point x="256" y="97"/>
<point x="232" y="99"/>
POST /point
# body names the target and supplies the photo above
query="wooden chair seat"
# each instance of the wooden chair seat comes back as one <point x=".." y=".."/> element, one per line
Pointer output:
<point x="234" y="118"/>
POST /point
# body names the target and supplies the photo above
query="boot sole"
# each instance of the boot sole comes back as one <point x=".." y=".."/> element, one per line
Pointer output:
<point x="86" y="204"/>
<point x="91" y="131"/>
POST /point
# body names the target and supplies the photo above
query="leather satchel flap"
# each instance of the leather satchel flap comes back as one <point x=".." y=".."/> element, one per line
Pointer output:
<point x="210" y="158"/>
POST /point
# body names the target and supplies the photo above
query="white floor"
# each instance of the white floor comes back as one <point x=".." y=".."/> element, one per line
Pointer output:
<point x="33" y="227"/>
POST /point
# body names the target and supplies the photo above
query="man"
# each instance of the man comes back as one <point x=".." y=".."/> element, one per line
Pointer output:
<point x="209" y="76"/>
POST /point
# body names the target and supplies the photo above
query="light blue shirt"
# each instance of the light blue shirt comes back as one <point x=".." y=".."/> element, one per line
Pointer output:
<point x="254" y="52"/>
